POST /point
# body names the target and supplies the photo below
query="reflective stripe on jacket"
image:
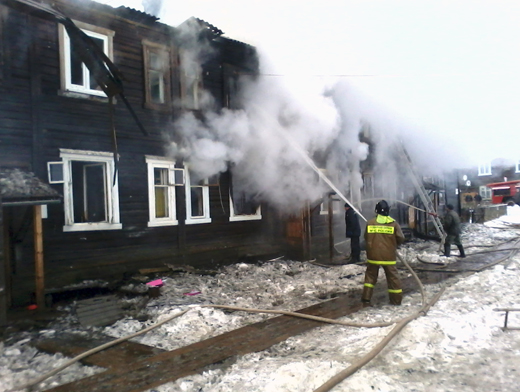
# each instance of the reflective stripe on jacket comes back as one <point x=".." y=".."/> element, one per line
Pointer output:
<point x="382" y="235"/>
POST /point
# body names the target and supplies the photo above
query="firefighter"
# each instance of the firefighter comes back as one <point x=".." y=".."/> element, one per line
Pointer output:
<point x="382" y="236"/>
<point x="451" y="225"/>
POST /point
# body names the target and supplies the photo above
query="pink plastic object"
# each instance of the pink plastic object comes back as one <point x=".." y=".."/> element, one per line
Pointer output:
<point x="155" y="283"/>
<point x="193" y="292"/>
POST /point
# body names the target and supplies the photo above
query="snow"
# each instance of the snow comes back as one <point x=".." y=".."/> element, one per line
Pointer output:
<point x="459" y="345"/>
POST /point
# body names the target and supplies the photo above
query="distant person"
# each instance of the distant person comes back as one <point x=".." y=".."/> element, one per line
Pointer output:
<point x="382" y="235"/>
<point x="352" y="231"/>
<point x="451" y="225"/>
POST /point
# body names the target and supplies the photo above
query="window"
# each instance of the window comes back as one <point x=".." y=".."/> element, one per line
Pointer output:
<point x="162" y="178"/>
<point x="368" y="185"/>
<point x="55" y="172"/>
<point x="231" y="86"/>
<point x="243" y="207"/>
<point x="191" y="81"/>
<point x="484" y="169"/>
<point x="157" y="75"/>
<point x="324" y="206"/>
<point x="517" y="170"/>
<point x="336" y="205"/>
<point x="485" y="192"/>
<point x="75" y="75"/>
<point x="197" y="200"/>
<point x="91" y="196"/>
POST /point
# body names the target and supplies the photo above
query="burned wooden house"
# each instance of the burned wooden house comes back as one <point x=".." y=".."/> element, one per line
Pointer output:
<point x="88" y="97"/>
<point x="87" y="92"/>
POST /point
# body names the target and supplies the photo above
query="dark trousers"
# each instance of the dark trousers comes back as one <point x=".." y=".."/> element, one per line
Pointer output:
<point x="453" y="239"/>
<point x="355" y="248"/>
<point x="395" y="292"/>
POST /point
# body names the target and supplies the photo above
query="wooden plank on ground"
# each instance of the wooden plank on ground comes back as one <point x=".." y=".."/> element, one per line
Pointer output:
<point x="118" y="355"/>
<point x="99" y="311"/>
<point x="170" y="366"/>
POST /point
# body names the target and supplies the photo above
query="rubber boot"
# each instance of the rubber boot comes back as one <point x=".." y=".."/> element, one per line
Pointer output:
<point x="447" y="250"/>
<point x="396" y="298"/>
<point x="461" y="250"/>
<point x="366" y="296"/>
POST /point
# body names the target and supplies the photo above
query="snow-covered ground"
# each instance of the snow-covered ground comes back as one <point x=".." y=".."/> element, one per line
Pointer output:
<point x="458" y="346"/>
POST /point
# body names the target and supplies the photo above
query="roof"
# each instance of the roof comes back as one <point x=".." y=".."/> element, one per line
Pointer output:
<point x="136" y="15"/>
<point x="504" y="184"/>
<point x="207" y="29"/>
<point x="19" y="186"/>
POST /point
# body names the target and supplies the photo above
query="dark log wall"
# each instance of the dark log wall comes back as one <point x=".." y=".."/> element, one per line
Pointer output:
<point x="36" y="120"/>
<point x="15" y="124"/>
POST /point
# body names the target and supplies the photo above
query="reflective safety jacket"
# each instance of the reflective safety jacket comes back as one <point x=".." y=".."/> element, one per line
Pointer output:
<point x="382" y="236"/>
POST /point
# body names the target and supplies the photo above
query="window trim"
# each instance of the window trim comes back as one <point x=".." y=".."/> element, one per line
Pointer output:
<point x="195" y="105"/>
<point x="153" y="162"/>
<point x="65" y="70"/>
<point x="484" y="169"/>
<point x="50" y="172"/>
<point x="206" y="217"/>
<point x="150" y="47"/>
<point x="487" y="194"/>
<point x="113" y="217"/>
<point x="239" y="218"/>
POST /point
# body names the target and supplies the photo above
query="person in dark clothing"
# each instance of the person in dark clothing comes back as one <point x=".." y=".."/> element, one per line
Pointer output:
<point x="352" y="231"/>
<point x="451" y="225"/>
<point x="382" y="235"/>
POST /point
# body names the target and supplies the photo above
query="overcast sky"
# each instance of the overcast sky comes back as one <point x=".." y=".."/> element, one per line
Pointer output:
<point x="448" y="69"/>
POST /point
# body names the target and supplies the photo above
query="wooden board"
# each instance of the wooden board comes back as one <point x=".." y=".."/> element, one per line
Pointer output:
<point x="170" y="366"/>
<point x="119" y="355"/>
<point x="98" y="311"/>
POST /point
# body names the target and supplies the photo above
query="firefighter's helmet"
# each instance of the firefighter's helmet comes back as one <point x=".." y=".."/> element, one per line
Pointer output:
<point x="382" y="208"/>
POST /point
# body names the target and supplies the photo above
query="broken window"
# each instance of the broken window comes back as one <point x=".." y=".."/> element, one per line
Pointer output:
<point x="231" y="87"/>
<point x="76" y="77"/>
<point x="243" y="206"/>
<point x="197" y="200"/>
<point x="190" y="80"/>
<point x="157" y="75"/>
<point x="162" y="178"/>
<point x="91" y="198"/>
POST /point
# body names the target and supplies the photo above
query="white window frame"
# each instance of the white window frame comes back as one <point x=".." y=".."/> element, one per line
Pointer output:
<point x="485" y="192"/>
<point x="484" y="169"/>
<point x="237" y="217"/>
<point x="112" y="190"/>
<point x="162" y="163"/>
<point x="50" y="172"/>
<point x="65" y="50"/>
<point x="205" y="217"/>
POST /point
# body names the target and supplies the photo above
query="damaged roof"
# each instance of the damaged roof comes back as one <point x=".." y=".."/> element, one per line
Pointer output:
<point x="19" y="186"/>
<point x="136" y="15"/>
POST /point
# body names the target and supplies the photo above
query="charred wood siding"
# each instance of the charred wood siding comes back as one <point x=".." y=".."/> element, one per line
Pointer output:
<point x="37" y="119"/>
<point x="15" y="92"/>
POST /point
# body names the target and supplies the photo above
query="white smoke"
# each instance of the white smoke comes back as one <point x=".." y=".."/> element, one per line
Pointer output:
<point x="153" y="7"/>
<point x="261" y="143"/>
